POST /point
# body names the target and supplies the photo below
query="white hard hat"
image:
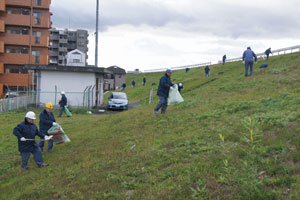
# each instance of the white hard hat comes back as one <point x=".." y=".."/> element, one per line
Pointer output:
<point x="30" y="115"/>
<point x="180" y="84"/>
<point x="62" y="92"/>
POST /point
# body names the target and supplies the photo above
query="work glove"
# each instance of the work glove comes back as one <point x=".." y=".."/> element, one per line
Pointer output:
<point x="48" y="137"/>
<point x="22" y="139"/>
<point x="243" y="62"/>
<point x="54" y="124"/>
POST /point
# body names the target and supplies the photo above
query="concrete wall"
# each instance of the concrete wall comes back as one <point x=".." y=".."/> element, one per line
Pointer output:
<point x="72" y="83"/>
<point x="119" y="80"/>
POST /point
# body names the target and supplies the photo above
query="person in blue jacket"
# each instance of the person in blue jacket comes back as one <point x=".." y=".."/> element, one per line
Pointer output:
<point x="163" y="92"/>
<point x="26" y="132"/>
<point x="224" y="59"/>
<point x="133" y="83"/>
<point x="63" y="102"/>
<point x="248" y="57"/>
<point x="47" y="120"/>
<point x="267" y="52"/>
<point x="144" y="81"/>
<point x="206" y="69"/>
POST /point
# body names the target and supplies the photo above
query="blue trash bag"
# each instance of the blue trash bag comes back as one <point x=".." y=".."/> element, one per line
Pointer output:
<point x="264" y="66"/>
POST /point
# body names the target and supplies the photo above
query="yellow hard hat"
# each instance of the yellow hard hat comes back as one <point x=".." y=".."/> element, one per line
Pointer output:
<point x="49" y="105"/>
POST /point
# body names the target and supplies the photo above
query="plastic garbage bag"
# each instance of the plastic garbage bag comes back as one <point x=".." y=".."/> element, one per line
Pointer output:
<point x="174" y="96"/>
<point x="264" y="66"/>
<point x="59" y="136"/>
<point x="68" y="113"/>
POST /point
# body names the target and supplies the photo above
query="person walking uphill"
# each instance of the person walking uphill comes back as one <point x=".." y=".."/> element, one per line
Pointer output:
<point x="224" y="59"/>
<point x="144" y="81"/>
<point x="63" y="102"/>
<point x="133" y="84"/>
<point x="206" y="69"/>
<point x="248" y="56"/>
<point x="26" y="132"/>
<point x="163" y="92"/>
<point x="47" y="120"/>
<point x="267" y="52"/>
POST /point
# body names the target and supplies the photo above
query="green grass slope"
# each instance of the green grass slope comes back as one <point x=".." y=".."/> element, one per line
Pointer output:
<point x="232" y="138"/>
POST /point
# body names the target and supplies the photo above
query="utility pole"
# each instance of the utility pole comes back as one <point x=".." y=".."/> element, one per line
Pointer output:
<point x="97" y="22"/>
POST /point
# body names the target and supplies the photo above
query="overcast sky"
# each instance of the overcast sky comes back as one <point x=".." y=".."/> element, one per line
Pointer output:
<point x="151" y="34"/>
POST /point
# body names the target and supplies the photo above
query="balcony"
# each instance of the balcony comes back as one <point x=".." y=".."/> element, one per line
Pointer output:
<point x="16" y="20"/>
<point x="2" y="6"/>
<point x="2" y="26"/>
<point x="63" y="49"/>
<point x="54" y="37"/>
<point x="1" y="68"/>
<point x="53" y="53"/>
<point x="45" y="4"/>
<point x="15" y="39"/>
<point x="40" y="60"/>
<point x="23" y="3"/>
<point x="15" y="58"/>
<point x="1" y="46"/>
<point x="15" y="79"/>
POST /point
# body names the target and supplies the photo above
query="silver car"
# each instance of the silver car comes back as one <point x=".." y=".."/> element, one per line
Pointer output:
<point x="118" y="101"/>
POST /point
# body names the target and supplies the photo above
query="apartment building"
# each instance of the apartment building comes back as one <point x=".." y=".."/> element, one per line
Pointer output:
<point x="64" y="41"/>
<point x="24" y="39"/>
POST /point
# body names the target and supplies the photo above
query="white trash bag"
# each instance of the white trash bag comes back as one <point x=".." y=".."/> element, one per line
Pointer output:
<point x="174" y="96"/>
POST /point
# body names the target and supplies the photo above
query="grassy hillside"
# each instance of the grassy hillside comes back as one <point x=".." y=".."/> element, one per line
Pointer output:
<point x="232" y="138"/>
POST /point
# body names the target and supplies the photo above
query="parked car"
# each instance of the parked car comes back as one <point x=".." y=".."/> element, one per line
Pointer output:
<point x="117" y="101"/>
<point x="11" y="94"/>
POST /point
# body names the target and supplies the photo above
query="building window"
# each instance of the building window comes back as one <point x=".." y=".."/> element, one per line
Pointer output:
<point x="39" y="2"/>
<point x="76" y="61"/>
<point x="36" y="55"/>
<point x="81" y="35"/>
<point x="81" y="44"/>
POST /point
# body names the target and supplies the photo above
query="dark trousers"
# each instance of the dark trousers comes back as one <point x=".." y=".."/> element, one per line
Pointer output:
<point x="163" y="104"/>
<point x="37" y="156"/>
<point x="247" y="63"/>
<point x="50" y="145"/>
<point x="61" y="110"/>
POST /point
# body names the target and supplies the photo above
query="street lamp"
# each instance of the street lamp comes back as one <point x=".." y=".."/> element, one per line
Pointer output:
<point x="97" y="21"/>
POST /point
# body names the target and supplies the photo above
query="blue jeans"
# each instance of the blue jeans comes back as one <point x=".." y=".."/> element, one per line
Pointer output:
<point x="247" y="63"/>
<point x="163" y="104"/>
<point x="207" y="74"/>
<point x="61" y="110"/>
<point x="37" y="156"/>
<point x="50" y="145"/>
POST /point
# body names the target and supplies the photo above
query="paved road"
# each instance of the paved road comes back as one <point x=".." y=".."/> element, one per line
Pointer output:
<point x="102" y="110"/>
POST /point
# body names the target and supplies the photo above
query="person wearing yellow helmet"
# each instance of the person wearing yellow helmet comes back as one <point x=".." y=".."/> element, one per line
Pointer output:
<point x="47" y="120"/>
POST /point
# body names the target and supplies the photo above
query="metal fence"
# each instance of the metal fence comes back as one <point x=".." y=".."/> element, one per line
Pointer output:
<point x="14" y="103"/>
<point x="22" y="100"/>
<point x="282" y="51"/>
<point x="276" y="52"/>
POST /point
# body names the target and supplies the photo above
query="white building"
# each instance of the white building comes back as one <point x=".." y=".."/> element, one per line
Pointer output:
<point x="83" y="85"/>
<point x="76" y="58"/>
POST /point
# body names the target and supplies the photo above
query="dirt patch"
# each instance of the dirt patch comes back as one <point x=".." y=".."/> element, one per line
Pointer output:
<point x="102" y="110"/>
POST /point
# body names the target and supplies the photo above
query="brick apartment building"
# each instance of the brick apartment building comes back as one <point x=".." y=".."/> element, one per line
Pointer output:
<point x="24" y="39"/>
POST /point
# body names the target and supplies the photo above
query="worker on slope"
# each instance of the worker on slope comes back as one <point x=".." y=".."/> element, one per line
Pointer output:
<point x="63" y="102"/>
<point x="163" y="92"/>
<point x="47" y="120"/>
<point x="224" y="59"/>
<point x="248" y="57"/>
<point x="26" y="132"/>
<point x="267" y="52"/>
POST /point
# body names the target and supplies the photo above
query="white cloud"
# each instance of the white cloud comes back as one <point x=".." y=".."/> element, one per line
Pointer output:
<point x="153" y="33"/>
